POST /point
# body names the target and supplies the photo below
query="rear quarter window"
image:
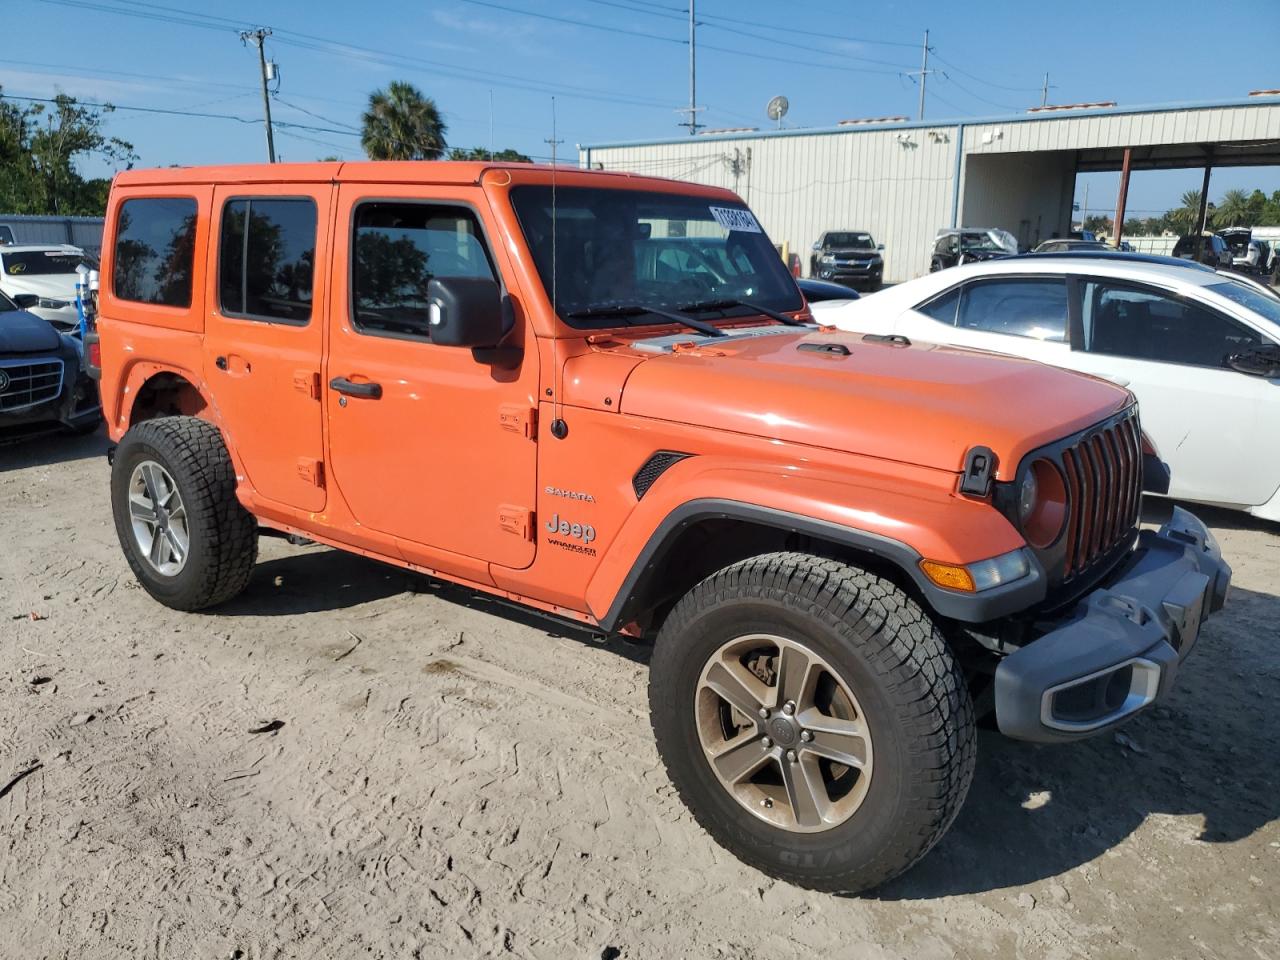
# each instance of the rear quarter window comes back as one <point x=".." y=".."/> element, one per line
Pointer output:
<point x="154" y="253"/>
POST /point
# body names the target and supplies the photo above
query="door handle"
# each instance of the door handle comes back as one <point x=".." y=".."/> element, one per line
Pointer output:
<point x="370" y="391"/>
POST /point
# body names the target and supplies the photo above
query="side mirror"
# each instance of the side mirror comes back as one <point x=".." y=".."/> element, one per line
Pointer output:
<point x="465" y="312"/>
<point x="1257" y="362"/>
<point x="817" y="245"/>
<point x="880" y="246"/>
<point x="26" y="301"/>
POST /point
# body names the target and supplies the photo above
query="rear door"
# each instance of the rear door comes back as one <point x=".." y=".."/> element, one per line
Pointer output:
<point x="435" y="445"/>
<point x="264" y="330"/>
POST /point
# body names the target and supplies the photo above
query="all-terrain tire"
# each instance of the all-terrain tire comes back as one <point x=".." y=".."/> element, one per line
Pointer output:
<point x="893" y="658"/>
<point x="223" y="536"/>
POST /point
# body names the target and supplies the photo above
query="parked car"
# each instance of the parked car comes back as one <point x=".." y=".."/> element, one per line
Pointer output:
<point x="1060" y="245"/>
<point x="822" y="290"/>
<point x="1247" y="255"/>
<point x="1082" y="235"/>
<point x="43" y="384"/>
<point x="49" y="272"/>
<point x="524" y="394"/>
<point x="954" y="247"/>
<point x="850" y="257"/>
<point x="1199" y="349"/>
<point x="1209" y="249"/>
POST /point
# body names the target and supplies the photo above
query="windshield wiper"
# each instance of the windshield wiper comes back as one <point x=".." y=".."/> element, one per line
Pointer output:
<point x="753" y="307"/>
<point x="638" y="310"/>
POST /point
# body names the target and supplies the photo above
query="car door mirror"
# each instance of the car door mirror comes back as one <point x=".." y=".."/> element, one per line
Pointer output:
<point x="465" y="312"/>
<point x="1257" y="362"/>
<point x="880" y="246"/>
<point x="817" y="246"/>
<point x="26" y="301"/>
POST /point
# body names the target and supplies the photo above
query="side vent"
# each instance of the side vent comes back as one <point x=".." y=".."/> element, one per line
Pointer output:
<point x="653" y="468"/>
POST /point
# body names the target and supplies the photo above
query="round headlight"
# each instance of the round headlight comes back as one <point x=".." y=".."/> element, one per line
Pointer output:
<point x="1042" y="504"/>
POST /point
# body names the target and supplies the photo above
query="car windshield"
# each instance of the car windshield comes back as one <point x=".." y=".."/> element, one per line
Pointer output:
<point x="612" y="249"/>
<point x="851" y="241"/>
<point x="1252" y="300"/>
<point x="28" y="263"/>
<point x="978" y="243"/>
<point x="7" y="305"/>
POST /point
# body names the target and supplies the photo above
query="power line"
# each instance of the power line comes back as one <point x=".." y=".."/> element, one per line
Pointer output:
<point x="989" y="83"/>
<point x="574" y="23"/>
<point x="809" y="33"/>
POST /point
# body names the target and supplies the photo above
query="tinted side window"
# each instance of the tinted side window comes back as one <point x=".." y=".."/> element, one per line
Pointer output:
<point x="1017" y="308"/>
<point x="398" y="248"/>
<point x="1146" y="325"/>
<point x="266" y="258"/>
<point x="155" y="251"/>
<point x="943" y="308"/>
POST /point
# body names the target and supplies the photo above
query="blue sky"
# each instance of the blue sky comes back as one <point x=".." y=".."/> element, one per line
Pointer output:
<point x="619" y="67"/>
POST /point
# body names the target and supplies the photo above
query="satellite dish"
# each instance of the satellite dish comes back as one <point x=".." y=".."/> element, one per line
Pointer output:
<point x="777" y="109"/>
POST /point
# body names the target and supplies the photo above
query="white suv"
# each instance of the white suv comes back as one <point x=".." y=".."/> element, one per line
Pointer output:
<point x="1199" y="349"/>
<point x="47" y="272"/>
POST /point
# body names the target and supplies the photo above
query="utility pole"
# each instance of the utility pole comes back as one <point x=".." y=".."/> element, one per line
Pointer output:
<point x="257" y="36"/>
<point x="693" y="108"/>
<point x="923" y="72"/>
<point x="1084" y="210"/>
<point x="1044" y="91"/>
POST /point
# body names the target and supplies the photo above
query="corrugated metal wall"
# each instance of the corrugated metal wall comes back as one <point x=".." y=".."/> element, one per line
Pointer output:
<point x="84" y="232"/>
<point x="896" y="184"/>
<point x="898" y="181"/>
<point x="1254" y="122"/>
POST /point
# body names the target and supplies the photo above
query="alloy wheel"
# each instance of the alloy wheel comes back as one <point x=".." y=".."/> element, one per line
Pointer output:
<point x="783" y="733"/>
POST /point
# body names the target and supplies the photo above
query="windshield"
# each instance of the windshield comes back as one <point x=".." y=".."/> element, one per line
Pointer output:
<point x="657" y="250"/>
<point x="979" y="243"/>
<point x="851" y="241"/>
<point x="7" y="305"/>
<point x="29" y="263"/>
<point x="1252" y="300"/>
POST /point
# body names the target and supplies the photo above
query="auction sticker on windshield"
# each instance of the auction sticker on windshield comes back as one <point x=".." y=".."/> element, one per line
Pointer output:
<point x="732" y="218"/>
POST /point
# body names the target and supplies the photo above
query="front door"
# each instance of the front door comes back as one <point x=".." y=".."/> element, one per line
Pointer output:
<point x="1208" y="421"/>
<point x="432" y="444"/>
<point x="263" y="331"/>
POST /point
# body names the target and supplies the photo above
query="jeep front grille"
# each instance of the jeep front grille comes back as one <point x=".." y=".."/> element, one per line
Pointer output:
<point x="1103" y="471"/>
<point x="25" y="383"/>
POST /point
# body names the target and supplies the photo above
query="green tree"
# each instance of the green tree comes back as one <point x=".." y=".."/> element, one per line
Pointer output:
<point x="480" y="153"/>
<point x="40" y="148"/>
<point x="402" y="124"/>
<point x="1233" y="211"/>
<point x="1182" y="220"/>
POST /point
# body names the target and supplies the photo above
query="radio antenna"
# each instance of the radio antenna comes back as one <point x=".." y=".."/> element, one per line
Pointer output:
<point x="559" y="429"/>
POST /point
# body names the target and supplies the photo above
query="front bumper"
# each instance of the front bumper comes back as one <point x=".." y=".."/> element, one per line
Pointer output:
<point x="851" y="274"/>
<point x="1120" y="649"/>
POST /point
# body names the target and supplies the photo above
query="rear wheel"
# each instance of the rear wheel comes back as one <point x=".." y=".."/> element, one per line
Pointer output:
<point x="187" y="538"/>
<point x="813" y="720"/>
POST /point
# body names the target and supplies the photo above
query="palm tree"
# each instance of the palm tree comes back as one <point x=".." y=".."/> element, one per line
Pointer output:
<point x="402" y="124"/>
<point x="1184" y="218"/>
<point x="1233" y="211"/>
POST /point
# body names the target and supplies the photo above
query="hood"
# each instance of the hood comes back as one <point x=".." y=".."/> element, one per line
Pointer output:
<point x="23" y="332"/>
<point x="922" y="404"/>
<point x="57" y="286"/>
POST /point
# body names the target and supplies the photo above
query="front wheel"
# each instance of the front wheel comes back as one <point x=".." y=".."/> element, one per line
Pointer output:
<point x="813" y="719"/>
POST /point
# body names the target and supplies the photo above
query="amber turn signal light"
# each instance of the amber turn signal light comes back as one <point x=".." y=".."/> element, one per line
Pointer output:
<point x="949" y="575"/>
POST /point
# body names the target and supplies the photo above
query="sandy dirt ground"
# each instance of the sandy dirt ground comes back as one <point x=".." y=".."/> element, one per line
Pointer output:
<point x="442" y="777"/>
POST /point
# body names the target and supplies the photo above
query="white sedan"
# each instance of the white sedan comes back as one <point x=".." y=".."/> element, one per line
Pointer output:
<point x="44" y="274"/>
<point x="1199" y="349"/>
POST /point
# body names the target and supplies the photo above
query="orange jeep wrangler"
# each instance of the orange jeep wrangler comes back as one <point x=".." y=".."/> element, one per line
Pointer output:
<point x="603" y="396"/>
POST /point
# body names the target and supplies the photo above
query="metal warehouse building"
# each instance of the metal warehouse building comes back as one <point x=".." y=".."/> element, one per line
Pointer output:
<point x="902" y="181"/>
